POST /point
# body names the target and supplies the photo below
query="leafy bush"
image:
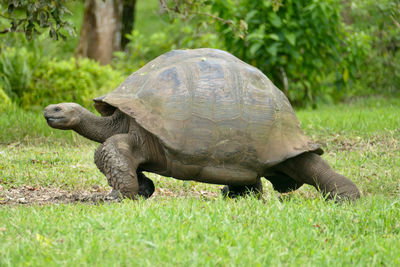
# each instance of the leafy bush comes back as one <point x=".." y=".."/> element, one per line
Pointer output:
<point x="69" y="81"/>
<point x="32" y="16"/>
<point x="381" y="71"/>
<point x="33" y="81"/>
<point x="41" y="45"/>
<point x="5" y="101"/>
<point x="178" y="34"/>
<point x="301" y="45"/>
<point x="16" y="67"/>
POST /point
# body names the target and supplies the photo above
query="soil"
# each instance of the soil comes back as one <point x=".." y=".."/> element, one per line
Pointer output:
<point x="29" y="195"/>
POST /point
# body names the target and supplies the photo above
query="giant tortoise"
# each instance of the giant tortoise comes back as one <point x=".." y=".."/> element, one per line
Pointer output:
<point x="201" y="115"/>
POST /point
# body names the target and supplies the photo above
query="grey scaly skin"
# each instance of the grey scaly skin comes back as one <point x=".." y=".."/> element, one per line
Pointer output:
<point x="126" y="150"/>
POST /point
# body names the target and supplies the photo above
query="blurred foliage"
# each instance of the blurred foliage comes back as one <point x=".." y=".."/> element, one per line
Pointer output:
<point x="32" y="82"/>
<point x="176" y="34"/>
<point x="300" y="44"/>
<point x="30" y="17"/>
<point x="73" y="80"/>
<point x="16" y="67"/>
<point x="59" y="49"/>
<point x="313" y="50"/>
<point x="380" y="21"/>
<point x="5" y="101"/>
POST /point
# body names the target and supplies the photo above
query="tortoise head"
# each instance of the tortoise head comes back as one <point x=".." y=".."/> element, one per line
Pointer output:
<point x="63" y="116"/>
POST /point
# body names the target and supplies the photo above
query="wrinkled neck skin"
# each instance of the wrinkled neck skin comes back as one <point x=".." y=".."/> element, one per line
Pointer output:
<point x="99" y="129"/>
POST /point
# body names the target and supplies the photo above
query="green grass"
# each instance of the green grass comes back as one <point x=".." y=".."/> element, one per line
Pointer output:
<point x="65" y="166"/>
<point x="190" y="232"/>
<point x="360" y="138"/>
<point x="361" y="117"/>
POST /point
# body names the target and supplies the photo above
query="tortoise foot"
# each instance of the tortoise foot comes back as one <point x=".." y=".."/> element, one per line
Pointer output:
<point x="114" y="195"/>
<point x="234" y="191"/>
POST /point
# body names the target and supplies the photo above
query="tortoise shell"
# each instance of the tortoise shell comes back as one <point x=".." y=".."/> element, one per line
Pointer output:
<point x="207" y="104"/>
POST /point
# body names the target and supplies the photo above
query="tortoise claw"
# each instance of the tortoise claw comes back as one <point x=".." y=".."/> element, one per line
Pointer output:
<point x="114" y="195"/>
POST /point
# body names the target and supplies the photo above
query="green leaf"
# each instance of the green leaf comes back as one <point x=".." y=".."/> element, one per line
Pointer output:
<point x="273" y="50"/>
<point x="255" y="36"/>
<point x="243" y="25"/>
<point x="273" y="36"/>
<point x="291" y="37"/>
<point x="267" y="3"/>
<point x="251" y="14"/>
<point x="275" y="20"/>
<point x="254" y="48"/>
<point x="345" y="75"/>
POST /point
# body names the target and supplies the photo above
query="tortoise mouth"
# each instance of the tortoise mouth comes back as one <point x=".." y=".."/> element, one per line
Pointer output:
<point x="54" y="119"/>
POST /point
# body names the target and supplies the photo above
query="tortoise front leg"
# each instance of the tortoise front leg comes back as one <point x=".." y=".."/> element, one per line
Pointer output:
<point x="233" y="191"/>
<point x="118" y="159"/>
<point x="311" y="169"/>
<point x="146" y="187"/>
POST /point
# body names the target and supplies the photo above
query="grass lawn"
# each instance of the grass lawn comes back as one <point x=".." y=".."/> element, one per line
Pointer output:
<point x="188" y="223"/>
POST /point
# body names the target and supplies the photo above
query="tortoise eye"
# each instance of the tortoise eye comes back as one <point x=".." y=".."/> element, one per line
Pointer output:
<point x="56" y="109"/>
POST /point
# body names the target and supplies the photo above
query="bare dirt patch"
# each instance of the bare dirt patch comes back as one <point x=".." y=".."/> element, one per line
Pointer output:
<point x="29" y="195"/>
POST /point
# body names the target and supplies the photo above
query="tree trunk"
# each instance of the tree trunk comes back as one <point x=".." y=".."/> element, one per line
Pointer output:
<point x="101" y="30"/>
<point x="346" y="12"/>
<point x="128" y="19"/>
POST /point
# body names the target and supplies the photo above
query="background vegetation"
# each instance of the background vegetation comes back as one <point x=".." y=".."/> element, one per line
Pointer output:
<point x="315" y="51"/>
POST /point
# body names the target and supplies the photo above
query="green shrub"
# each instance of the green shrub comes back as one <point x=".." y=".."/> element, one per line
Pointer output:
<point x="178" y="34"/>
<point x="301" y="45"/>
<point x="5" y="101"/>
<point x="69" y="81"/>
<point x="381" y="72"/>
<point x="32" y="79"/>
<point x="16" y="67"/>
<point x="298" y="41"/>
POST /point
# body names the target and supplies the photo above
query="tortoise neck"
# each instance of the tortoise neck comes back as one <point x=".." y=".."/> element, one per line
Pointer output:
<point x="99" y="129"/>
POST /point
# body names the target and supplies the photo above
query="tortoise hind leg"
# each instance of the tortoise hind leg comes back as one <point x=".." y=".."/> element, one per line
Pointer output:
<point x="311" y="169"/>
<point x="283" y="183"/>
<point x="117" y="160"/>
<point x="233" y="191"/>
<point x="146" y="186"/>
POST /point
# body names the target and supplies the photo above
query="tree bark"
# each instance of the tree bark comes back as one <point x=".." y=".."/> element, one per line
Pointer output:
<point x="128" y="19"/>
<point x="100" y="34"/>
<point x="346" y="12"/>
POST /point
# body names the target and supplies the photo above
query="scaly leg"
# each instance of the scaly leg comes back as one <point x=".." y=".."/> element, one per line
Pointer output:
<point x="311" y="169"/>
<point x="118" y="159"/>
<point x="146" y="187"/>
